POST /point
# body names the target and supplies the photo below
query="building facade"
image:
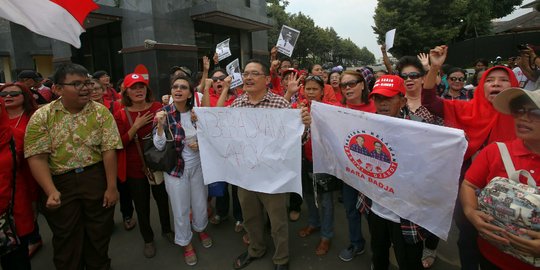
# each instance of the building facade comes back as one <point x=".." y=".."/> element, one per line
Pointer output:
<point x="180" y="32"/>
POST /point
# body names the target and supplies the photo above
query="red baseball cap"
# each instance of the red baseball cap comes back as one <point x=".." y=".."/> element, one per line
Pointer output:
<point x="388" y="86"/>
<point x="289" y="70"/>
<point x="134" y="78"/>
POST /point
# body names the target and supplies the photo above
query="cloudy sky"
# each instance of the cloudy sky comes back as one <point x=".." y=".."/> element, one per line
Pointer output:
<point x="351" y="18"/>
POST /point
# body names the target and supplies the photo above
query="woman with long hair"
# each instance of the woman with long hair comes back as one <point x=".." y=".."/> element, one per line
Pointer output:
<point x="185" y="184"/>
<point x="134" y="123"/>
<point x="11" y="158"/>
<point x="20" y="105"/>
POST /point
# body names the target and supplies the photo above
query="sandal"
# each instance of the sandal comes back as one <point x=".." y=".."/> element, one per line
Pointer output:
<point x="307" y="231"/>
<point x="244" y="260"/>
<point x="323" y="247"/>
<point x="189" y="256"/>
<point x="428" y="257"/>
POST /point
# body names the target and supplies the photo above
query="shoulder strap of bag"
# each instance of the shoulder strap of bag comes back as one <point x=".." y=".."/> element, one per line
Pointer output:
<point x="510" y="169"/>
<point x="136" y="138"/>
<point x="507" y="161"/>
<point x="14" y="157"/>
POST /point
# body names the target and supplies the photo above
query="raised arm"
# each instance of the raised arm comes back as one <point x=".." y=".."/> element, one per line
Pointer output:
<point x="224" y="92"/>
<point x="430" y="100"/>
<point x="206" y="68"/>
<point x="386" y="60"/>
<point x="206" y="93"/>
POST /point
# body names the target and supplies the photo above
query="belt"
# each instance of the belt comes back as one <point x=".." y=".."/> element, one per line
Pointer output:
<point x="81" y="169"/>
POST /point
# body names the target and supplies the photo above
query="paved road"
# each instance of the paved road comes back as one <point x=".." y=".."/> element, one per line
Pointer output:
<point x="126" y="249"/>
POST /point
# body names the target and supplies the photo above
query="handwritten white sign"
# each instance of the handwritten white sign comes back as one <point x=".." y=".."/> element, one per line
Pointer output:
<point x="256" y="149"/>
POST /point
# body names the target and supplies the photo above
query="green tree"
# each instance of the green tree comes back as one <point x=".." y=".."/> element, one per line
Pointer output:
<point x="315" y="44"/>
<point x="422" y="24"/>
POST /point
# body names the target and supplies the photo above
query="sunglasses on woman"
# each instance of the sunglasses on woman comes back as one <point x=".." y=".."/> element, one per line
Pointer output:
<point x="220" y="78"/>
<point x="411" y="75"/>
<point x="460" y="79"/>
<point x="533" y="114"/>
<point x="314" y="78"/>
<point x="350" y="84"/>
<point x="10" y="93"/>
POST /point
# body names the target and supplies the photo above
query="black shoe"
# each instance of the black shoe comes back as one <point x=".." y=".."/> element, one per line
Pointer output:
<point x="281" y="266"/>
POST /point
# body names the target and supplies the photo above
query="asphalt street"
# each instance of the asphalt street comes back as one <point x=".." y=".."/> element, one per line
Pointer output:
<point x="126" y="248"/>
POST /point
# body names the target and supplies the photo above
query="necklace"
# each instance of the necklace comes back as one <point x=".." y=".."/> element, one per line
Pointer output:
<point x="19" y="120"/>
<point x="411" y="98"/>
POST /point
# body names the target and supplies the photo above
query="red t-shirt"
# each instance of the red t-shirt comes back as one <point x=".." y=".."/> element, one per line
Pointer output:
<point x="214" y="97"/>
<point x="133" y="163"/>
<point x="487" y="165"/>
<point x="20" y="123"/>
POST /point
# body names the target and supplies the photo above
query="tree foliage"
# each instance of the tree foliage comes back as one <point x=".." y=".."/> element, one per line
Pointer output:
<point x="422" y="24"/>
<point x="315" y="44"/>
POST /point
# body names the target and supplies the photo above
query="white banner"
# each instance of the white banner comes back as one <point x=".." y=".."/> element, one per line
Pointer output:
<point x="409" y="167"/>
<point x="256" y="149"/>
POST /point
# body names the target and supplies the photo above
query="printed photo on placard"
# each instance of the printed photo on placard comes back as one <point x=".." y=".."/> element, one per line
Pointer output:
<point x="287" y="40"/>
<point x="223" y="50"/>
<point x="233" y="69"/>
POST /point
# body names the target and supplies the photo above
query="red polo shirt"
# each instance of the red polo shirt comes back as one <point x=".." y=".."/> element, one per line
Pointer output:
<point x="487" y="165"/>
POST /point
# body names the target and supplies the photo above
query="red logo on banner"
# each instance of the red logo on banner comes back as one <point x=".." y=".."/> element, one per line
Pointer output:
<point x="370" y="154"/>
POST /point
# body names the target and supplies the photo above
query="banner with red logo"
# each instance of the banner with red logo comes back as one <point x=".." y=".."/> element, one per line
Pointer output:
<point x="409" y="167"/>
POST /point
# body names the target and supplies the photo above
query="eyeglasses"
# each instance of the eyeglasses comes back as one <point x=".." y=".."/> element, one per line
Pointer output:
<point x="411" y="75"/>
<point x="181" y="87"/>
<point x="532" y="114"/>
<point x="10" y="93"/>
<point x="460" y="79"/>
<point x="79" y="85"/>
<point x="315" y="78"/>
<point x="350" y="84"/>
<point x="252" y="74"/>
<point x="220" y="78"/>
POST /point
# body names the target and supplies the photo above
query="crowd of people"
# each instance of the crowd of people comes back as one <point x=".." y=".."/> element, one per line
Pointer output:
<point x="78" y="151"/>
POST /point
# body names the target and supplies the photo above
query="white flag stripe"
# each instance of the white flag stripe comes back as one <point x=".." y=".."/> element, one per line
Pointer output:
<point x="256" y="149"/>
<point x="33" y="15"/>
<point x="409" y="167"/>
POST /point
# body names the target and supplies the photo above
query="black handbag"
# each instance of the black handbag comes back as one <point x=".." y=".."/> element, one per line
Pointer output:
<point x="9" y="240"/>
<point x="164" y="160"/>
<point x="153" y="159"/>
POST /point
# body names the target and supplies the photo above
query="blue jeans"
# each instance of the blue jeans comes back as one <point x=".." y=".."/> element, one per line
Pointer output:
<point x="350" y="198"/>
<point x="325" y="219"/>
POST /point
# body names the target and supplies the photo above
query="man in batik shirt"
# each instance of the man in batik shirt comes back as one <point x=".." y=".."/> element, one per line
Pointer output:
<point x="71" y="147"/>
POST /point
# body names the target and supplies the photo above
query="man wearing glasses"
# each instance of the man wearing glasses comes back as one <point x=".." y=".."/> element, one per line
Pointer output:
<point x="256" y="77"/>
<point x="71" y="147"/>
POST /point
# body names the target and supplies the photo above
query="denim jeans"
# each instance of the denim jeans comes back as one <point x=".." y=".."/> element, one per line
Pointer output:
<point x="350" y="198"/>
<point x="324" y="219"/>
<point x="222" y="204"/>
